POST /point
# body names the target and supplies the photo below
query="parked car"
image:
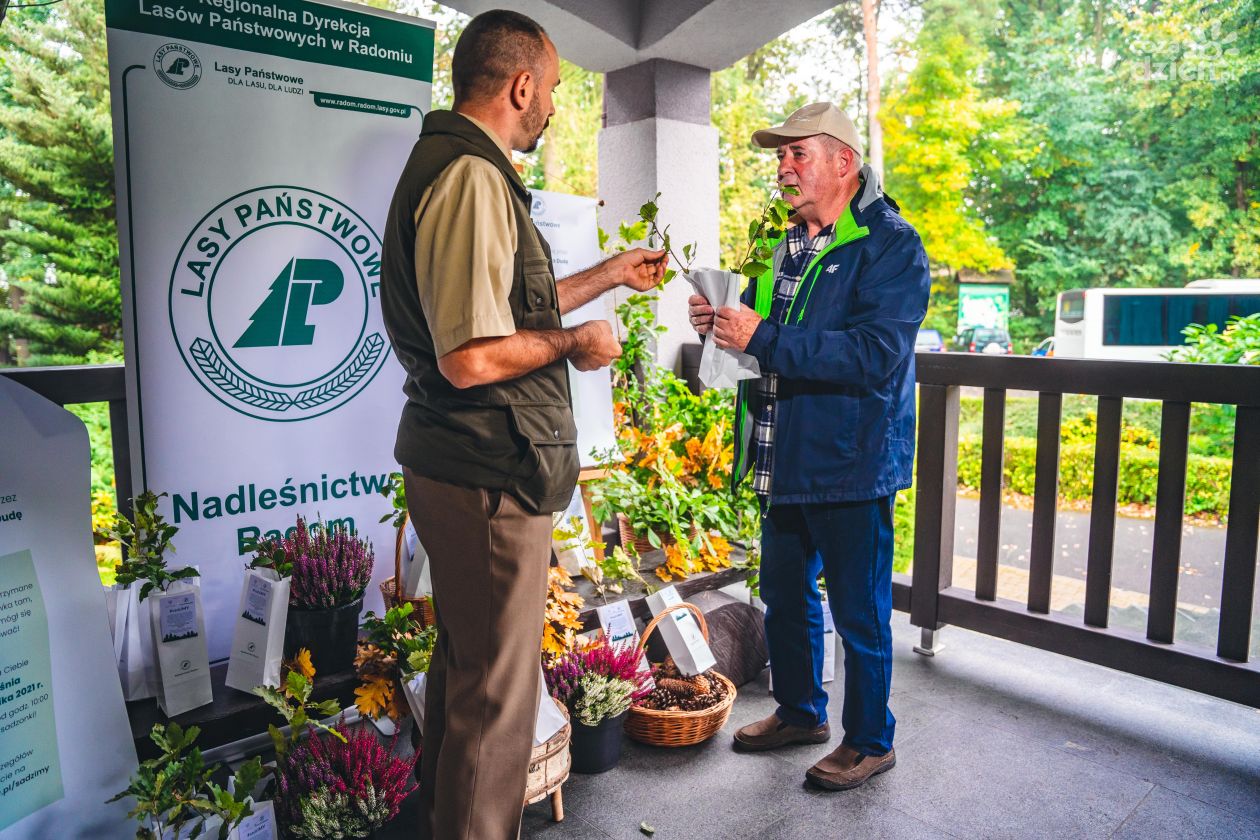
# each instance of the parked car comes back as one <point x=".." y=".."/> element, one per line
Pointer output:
<point x="929" y="341"/>
<point x="984" y="340"/>
<point x="1045" y="348"/>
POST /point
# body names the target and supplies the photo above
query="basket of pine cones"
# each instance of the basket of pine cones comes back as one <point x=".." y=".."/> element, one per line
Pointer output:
<point x="681" y="710"/>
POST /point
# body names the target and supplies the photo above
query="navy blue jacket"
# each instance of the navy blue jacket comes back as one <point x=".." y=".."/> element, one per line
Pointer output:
<point x="844" y="422"/>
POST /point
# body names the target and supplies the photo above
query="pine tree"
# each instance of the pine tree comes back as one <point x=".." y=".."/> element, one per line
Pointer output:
<point x="58" y="240"/>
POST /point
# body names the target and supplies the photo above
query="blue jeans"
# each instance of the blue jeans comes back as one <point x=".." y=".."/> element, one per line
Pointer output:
<point x="851" y="544"/>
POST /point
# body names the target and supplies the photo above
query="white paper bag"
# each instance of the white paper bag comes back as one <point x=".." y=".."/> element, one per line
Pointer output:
<point x="617" y="622"/>
<point x="133" y="642"/>
<point x="413" y="689"/>
<point x="574" y="553"/>
<point x="721" y="367"/>
<point x="549" y="719"/>
<point x="179" y="636"/>
<point x="417" y="578"/>
<point x="681" y="633"/>
<point x="258" y="641"/>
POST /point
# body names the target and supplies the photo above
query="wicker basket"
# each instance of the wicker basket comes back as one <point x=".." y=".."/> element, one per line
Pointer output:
<point x="548" y="766"/>
<point x="662" y="728"/>
<point x="641" y="543"/>
<point x="423" y="606"/>
<point x="549" y="769"/>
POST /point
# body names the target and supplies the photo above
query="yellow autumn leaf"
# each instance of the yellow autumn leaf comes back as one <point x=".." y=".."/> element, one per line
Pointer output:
<point x="302" y="664"/>
<point x="374" y="697"/>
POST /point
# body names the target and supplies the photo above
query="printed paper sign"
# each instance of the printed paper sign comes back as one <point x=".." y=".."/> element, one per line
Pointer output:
<point x="257" y="600"/>
<point x="65" y="744"/>
<point x="30" y="768"/>
<point x="179" y="617"/>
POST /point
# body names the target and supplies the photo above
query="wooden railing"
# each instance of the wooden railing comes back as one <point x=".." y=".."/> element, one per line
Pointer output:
<point x="932" y="599"/>
<point x="929" y="594"/>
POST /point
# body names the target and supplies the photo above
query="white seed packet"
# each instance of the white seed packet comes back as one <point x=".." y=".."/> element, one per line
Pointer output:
<point x="413" y="690"/>
<point x="179" y="636"/>
<point x="617" y="622"/>
<point x="829" y="644"/>
<point x="133" y="642"/>
<point x="549" y="719"/>
<point x="681" y="633"/>
<point x="258" y="640"/>
<point x="260" y="825"/>
<point x="417" y="577"/>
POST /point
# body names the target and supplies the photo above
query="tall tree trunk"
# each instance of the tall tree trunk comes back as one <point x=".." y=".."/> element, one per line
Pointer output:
<point x="875" y="133"/>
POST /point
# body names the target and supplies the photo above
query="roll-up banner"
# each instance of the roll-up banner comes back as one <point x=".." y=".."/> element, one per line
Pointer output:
<point x="257" y="146"/>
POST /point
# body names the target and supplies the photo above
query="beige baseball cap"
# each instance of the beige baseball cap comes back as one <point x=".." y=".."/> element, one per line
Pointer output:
<point x="818" y="118"/>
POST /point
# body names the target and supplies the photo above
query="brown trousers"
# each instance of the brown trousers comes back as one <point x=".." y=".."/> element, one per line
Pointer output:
<point x="489" y="560"/>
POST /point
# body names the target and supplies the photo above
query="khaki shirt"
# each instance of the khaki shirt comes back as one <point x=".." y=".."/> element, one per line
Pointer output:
<point x="465" y="249"/>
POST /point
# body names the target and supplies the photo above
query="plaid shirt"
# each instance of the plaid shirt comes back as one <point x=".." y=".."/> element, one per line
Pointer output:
<point x="800" y="251"/>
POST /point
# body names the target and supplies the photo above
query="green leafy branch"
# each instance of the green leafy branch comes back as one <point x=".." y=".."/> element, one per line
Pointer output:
<point x="399" y="635"/>
<point x="147" y="537"/>
<point x="293" y="702"/>
<point x="649" y="215"/>
<point x="763" y="230"/>
<point x="174" y="791"/>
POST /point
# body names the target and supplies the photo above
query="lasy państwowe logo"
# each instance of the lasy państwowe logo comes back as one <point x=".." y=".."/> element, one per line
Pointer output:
<point x="274" y="303"/>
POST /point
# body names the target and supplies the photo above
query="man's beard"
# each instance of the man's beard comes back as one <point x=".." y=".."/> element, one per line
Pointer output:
<point x="535" y="123"/>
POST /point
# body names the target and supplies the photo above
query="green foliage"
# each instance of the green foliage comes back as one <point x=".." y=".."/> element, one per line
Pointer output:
<point x="671" y="467"/>
<point x="147" y="537"/>
<point x="401" y="637"/>
<point x="58" y="241"/>
<point x="943" y="134"/>
<point x="396" y="492"/>
<point x="328" y="815"/>
<point x="293" y="702"/>
<point x="1237" y="344"/>
<point x="173" y="792"/>
<point x="1207" y="478"/>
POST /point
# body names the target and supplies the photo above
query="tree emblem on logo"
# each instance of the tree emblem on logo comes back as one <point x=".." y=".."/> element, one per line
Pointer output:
<point x="177" y="66"/>
<point x="280" y="320"/>
<point x="280" y="345"/>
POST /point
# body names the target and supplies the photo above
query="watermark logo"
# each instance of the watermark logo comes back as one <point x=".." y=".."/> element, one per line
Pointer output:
<point x="177" y="66"/>
<point x="1209" y="56"/>
<point x="275" y="303"/>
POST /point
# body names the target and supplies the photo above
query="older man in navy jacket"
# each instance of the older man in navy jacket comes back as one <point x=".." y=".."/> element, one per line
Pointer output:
<point x="828" y="434"/>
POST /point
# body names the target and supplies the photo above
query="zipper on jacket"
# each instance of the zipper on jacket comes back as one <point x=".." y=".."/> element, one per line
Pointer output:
<point x="848" y="232"/>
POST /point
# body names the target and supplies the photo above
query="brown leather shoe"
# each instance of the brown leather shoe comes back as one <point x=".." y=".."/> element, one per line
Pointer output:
<point x="847" y="768"/>
<point x="772" y="732"/>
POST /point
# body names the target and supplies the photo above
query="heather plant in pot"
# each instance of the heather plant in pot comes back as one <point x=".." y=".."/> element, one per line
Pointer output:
<point x="329" y="570"/>
<point x="347" y="786"/>
<point x="597" y="684"/>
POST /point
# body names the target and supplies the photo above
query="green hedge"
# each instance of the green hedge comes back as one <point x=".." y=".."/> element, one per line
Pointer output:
<point x="1207" y="478"/>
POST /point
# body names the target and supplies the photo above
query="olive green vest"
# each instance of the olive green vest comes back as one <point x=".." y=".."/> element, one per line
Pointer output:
<point x="519" y="435"/>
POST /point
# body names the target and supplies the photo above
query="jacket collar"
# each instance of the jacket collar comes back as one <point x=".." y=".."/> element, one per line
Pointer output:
<point x="460" y="127"/>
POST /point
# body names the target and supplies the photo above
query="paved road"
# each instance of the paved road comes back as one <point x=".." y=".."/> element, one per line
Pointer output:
<point x="1202" y="550"/>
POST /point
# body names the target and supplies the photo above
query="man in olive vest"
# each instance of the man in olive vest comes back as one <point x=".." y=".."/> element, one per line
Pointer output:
<point x="487" y="439"/>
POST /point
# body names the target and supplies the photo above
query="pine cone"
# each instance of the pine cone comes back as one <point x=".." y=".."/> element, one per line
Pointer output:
<point x="701" y="684"/>
<point x="669" y="669"/>
<point x="680" y="687"/>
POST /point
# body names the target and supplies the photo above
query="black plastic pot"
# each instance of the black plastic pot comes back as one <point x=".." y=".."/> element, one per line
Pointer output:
<point x="330" y="635"/>
<point x="596" y="749"/>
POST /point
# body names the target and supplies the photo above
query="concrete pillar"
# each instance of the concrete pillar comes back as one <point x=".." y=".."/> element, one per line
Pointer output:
<point x="657" y="138"/>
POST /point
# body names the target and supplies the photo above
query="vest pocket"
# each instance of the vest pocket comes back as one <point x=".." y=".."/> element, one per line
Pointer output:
<point x="540" y="307"/>
<point x="549" y="473"/>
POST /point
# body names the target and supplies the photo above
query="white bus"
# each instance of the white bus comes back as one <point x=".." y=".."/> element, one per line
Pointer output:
<point x="1145" y="324"/>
